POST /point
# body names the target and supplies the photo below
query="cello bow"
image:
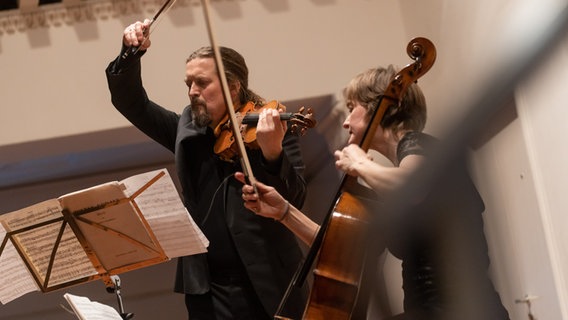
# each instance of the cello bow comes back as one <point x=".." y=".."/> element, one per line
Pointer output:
<point x="338" y="245"/>
<point x="245" y="163"/>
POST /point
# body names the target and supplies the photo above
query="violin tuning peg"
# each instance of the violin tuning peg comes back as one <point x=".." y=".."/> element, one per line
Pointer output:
<point x="293" y="128"/>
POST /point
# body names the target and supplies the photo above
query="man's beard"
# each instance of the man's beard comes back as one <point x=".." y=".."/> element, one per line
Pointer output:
<point x="200" y="115"/>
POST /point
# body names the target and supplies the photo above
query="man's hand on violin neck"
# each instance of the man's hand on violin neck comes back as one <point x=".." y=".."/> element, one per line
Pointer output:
<point x="270" y="133"/>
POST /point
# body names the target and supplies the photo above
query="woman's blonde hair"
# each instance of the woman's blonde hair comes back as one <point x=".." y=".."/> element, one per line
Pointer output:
<point x="368" y="87"/>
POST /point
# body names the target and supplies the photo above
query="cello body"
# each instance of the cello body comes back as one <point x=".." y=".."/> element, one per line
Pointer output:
<point x="337" y="275"/>
<point x="343" y="238"/>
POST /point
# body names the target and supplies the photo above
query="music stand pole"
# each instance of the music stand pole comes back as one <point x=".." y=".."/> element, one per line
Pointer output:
<point x="116" y="289"/>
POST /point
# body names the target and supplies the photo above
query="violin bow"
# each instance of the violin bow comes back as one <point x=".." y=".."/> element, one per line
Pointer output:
<point x="245" y="163"/>
<point x="164" y="8"/>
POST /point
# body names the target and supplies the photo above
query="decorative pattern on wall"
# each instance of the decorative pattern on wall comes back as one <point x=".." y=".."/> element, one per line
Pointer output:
<point x="12" y="21"/>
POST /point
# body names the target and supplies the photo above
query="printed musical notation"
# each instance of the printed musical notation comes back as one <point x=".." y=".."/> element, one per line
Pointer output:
<point x="107" y="229"/>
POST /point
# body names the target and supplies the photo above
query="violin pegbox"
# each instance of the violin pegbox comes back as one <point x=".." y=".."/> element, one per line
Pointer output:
<point x="302" y="120"/>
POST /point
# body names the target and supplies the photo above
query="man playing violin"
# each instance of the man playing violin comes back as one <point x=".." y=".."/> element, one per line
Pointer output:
<point x="250" y="259"/>
<point x="442" y="246"/>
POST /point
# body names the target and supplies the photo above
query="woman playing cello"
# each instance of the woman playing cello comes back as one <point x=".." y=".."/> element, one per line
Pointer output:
<point x="442" y="246"/>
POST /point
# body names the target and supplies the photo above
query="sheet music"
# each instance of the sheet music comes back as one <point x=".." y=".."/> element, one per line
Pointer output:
<point x="70" y="263"/>
<point x="110" y="230"/>
<point x="16" y="280"/>
<point x="37" y="213"/>
<point x="85" y="309"/>
<point x="129" y="243"/>
<point x="167" y="216"/>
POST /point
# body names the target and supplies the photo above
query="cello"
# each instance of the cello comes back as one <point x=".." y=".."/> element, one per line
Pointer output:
<point x="340" y="243"/>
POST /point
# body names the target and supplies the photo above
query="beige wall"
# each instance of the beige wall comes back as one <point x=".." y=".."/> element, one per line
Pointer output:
<point x="295" y="49"/>
<point x="54" y="84"/>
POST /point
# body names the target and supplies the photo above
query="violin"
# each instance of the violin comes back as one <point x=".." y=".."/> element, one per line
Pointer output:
<point x="247" y="117"/>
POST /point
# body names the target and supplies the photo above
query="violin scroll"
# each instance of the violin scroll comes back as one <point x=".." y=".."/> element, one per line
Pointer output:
<point x="302" y="120"/>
